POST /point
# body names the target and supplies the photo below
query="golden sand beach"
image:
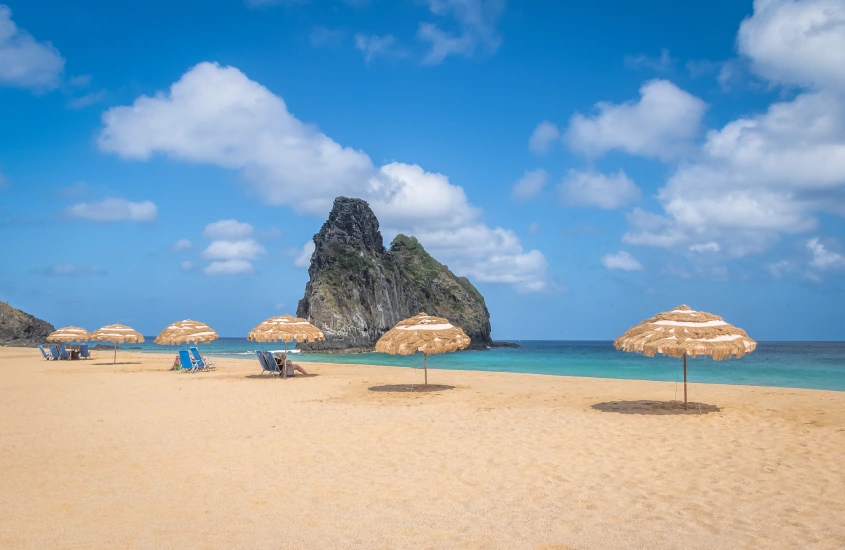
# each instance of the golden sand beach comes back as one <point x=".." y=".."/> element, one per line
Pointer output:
<point x="95" y="455"/>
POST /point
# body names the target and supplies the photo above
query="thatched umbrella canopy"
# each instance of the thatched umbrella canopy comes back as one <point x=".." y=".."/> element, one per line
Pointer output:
<point x="183" y="332"/>
<point x="117" y="334"/>
<point x="69" y="334"/>
<point x="683" y="332"/>
<point x="285" y="328"/>
<point x="430" y="335"/>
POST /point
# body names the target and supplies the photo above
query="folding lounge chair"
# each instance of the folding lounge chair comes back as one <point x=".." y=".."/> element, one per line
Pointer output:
<point x="202" y="362"/>
<point x="268" y="367"/>
<point x="186" y="361"/>
<point x="263" y="362"/>
<point x="276" y="368"/>
<point x="54" y="351"/>
<point x="44" y="353"/>
<point x="271" y="363"/>
<point x="83" y="351"/>
<point x="63" y="352"/>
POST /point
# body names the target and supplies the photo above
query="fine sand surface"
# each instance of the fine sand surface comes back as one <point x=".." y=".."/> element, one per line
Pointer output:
<point x="95" y="455"/>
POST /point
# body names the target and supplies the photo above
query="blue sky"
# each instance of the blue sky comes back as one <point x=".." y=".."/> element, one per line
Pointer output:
<point x="586" y="166"/>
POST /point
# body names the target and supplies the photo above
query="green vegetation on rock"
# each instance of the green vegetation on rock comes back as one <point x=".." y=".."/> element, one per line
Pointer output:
<point x="21" y="329"/>
<point x="358" y="289"/>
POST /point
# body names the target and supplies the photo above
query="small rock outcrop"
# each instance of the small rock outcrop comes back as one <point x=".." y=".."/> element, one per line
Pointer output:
<point x="21" y="329"/>
<point x="358" y="289"/>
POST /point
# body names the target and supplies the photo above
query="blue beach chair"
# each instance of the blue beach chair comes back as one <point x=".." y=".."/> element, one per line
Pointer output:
<point x="54" y="351"/>
<point x="63" y="352"/>
<point x="270" y="367"/>
<point x="83" y="351"/>
<point x="202" y="362"/>
<point x="44" y="353"/>
<point x="188" y="364"/>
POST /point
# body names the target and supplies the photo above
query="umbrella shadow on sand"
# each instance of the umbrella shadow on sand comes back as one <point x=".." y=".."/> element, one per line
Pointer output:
<point x="647" y="407"/>
<point x="410" y="388"/>
<point x="120" y="363"/>
<point x="264" y="376"/>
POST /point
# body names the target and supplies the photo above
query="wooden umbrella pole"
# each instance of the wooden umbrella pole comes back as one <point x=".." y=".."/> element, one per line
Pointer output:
<point x="115" y="354"/>
<point x="685" y="381"/>
<point x="425" y="367"/>
<point x="285" y="360"/>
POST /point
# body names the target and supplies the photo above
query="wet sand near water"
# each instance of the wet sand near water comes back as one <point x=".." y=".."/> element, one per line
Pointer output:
<point x="96" y="455"/>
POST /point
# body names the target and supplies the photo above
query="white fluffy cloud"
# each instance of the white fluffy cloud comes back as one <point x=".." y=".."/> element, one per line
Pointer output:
<point x="409" y="200"/>
<point x="797" y="42"/>
<point x="476" y="22"/>
<point x="227" y="229"/>
<point x="545" y="134"/>
<point x="595" y="189"/>
<point x="114" y="210"/>
<point x="530" y="184"/>
<point x="216" y="115"/>
<point x="405" y="196"/>
<point x="303" y="258"/>
<point x="759" y="177"/>
<point x="230" y="249"/>
<point x="233" y="250"/>
<point x="823" y="259"/>
<point x="765" y="175"/>
<point x="660" y="124"/>
<point x="229" y="267"/>
<point x="24" y="61"/>
<point x="622" y="261"/>
<point x="494" y="256"/>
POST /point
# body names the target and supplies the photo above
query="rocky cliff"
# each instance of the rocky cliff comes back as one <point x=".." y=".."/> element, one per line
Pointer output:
<point x="358" y="289"/>
<point x="21" y="329"/>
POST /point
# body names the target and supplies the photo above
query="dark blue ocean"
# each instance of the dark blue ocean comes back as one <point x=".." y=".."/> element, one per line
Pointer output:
<point x="815" y="365"/>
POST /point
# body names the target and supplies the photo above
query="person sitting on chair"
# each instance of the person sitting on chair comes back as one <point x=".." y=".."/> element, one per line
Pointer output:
<point x="296" y="367"/>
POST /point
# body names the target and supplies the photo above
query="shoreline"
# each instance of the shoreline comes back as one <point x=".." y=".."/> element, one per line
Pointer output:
<point x="304" y="357"/>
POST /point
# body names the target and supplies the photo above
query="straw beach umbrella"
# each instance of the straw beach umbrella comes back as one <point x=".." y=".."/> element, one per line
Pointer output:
<point x="69" y="334"/>
<point x="117" y="334"/>
<point x="285" y="328"/>
<point x="422" y="332"/>
<point x="183" y="332"/>
<point x="682" y="332"/>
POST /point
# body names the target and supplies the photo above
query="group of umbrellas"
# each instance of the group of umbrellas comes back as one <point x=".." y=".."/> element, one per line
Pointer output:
<point x="430" y="335"/>
<point x="116" y="334"/>
<point x="678" y="333"/>
<point x="285" y="328"/>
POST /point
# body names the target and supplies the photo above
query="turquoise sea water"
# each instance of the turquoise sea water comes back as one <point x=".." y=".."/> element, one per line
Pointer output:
<point x="815" y="365"/>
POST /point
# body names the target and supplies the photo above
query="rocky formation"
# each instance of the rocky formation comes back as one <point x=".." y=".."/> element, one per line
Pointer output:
<point x="358" y="290"/>
<point x="21" y="329"/>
